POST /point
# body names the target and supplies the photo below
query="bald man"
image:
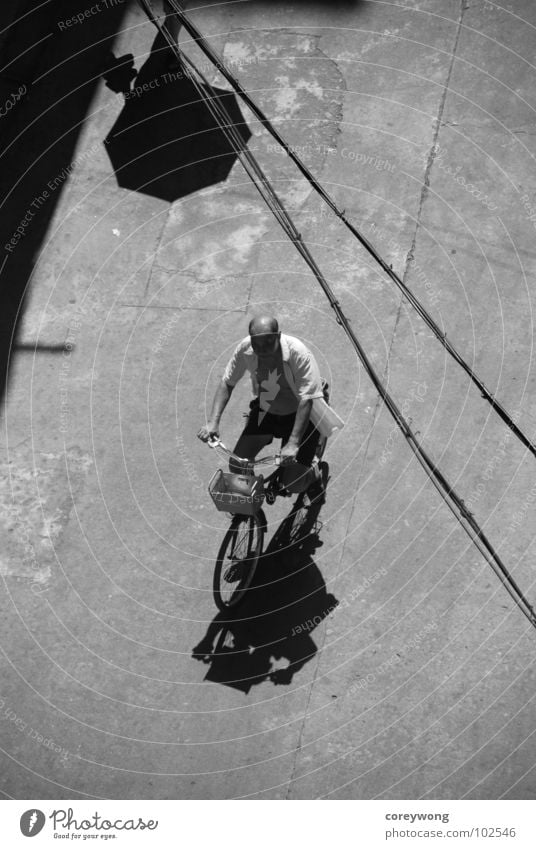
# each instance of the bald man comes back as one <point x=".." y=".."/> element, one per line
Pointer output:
<point x="285" y="380"/>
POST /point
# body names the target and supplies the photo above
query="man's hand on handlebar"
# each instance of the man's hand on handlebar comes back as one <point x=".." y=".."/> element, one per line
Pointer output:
<point x="289" y="452"/>
<point x="208" y="432"/>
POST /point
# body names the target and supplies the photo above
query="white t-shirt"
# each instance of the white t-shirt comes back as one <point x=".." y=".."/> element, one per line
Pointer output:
<point x="280" y="381"/>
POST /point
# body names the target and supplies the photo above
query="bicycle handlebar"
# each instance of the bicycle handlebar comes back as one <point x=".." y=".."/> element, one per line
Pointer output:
<point x="274" y="459"/>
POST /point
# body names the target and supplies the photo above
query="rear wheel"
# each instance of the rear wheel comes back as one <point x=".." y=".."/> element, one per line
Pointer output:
<point x="237" y="560"/>
<point x="293" y="528"/>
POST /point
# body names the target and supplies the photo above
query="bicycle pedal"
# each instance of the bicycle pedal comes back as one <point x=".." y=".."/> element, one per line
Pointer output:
<point x="234" y="572"/>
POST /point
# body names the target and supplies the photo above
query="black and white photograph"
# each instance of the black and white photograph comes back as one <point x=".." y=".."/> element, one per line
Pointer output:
<point x="268" y="415"/>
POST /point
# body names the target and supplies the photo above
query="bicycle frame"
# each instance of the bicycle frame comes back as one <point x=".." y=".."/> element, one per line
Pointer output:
<point x="249" y="465"/>
<point x="243" y="543"/>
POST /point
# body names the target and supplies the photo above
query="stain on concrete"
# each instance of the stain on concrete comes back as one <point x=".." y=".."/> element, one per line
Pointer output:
<point x="301" y="90"/>
<point x="37" y="494"/>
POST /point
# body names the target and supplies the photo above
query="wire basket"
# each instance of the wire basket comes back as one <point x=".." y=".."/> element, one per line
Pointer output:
<point x="243" y="494"/>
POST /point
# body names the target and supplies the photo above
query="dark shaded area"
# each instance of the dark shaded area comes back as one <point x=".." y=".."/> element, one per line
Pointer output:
<point x="120" y="72"/>
<point x="165" y="142"/>
<point x="192" y="5"/>
<point x="61" y="68"/>
<point x="268" y="637"/>
<point x="26" y="28"/>
<point x="34" y="348"/>
<point x="302" y="5"/>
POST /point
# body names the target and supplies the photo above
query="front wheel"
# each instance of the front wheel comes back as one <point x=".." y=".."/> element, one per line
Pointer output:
<point x="237" y="560"/>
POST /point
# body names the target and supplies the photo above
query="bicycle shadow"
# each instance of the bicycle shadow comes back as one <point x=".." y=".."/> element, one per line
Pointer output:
<point x="268" y="638"/>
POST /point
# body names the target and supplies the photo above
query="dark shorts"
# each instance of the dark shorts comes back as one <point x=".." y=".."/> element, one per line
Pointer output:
<point x="281" y="427"/>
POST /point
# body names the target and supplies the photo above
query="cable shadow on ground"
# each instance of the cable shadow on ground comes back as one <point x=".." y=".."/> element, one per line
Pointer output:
<point x="268" y="637"/>
<point x="165" y="142"/>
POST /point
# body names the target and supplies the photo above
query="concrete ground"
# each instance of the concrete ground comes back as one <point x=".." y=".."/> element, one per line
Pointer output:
<point x="418" y="117"/>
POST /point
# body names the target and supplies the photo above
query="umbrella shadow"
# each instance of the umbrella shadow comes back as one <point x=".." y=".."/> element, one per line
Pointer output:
<point x="268" y="638"/>
<point x="165" y="142"/>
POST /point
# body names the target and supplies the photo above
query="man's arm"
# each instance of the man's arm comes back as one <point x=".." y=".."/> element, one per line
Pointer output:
<point x="234" y="371"/>
<point x="303" y="412"/>
<point x="212" y="428"/>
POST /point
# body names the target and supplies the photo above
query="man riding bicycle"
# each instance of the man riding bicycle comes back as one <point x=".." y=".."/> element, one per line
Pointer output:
<point x="286" y="383"/>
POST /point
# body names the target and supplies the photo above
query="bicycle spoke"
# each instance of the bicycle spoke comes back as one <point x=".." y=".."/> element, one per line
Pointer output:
<point x="243" y="543"/>
<point x="237" y="561"/>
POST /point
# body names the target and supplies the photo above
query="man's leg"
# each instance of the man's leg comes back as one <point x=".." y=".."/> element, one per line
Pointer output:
<point x="248" y="446"/>
<point x="299" y="476"/>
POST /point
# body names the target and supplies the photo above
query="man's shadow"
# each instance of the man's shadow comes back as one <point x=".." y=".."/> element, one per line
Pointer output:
<point x="268" y="637"/>
<point x="165" y="142"/>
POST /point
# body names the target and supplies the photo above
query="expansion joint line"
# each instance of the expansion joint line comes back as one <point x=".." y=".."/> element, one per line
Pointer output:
<point x="253" y="169"/>
<point x="217" y="60"/>
<point x="433" y="148"/>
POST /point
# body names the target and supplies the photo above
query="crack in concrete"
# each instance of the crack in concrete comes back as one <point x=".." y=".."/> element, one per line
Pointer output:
<point x="433" y="149"/>
<point x="197" y="277"/>
<point x="206" y="288"/>
<point x="156" y="250"/>
<point x="183" y="309"/>
<point x="425" y="190"/>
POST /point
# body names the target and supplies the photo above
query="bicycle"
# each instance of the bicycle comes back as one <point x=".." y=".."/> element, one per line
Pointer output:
<point x="243" y="495"/>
